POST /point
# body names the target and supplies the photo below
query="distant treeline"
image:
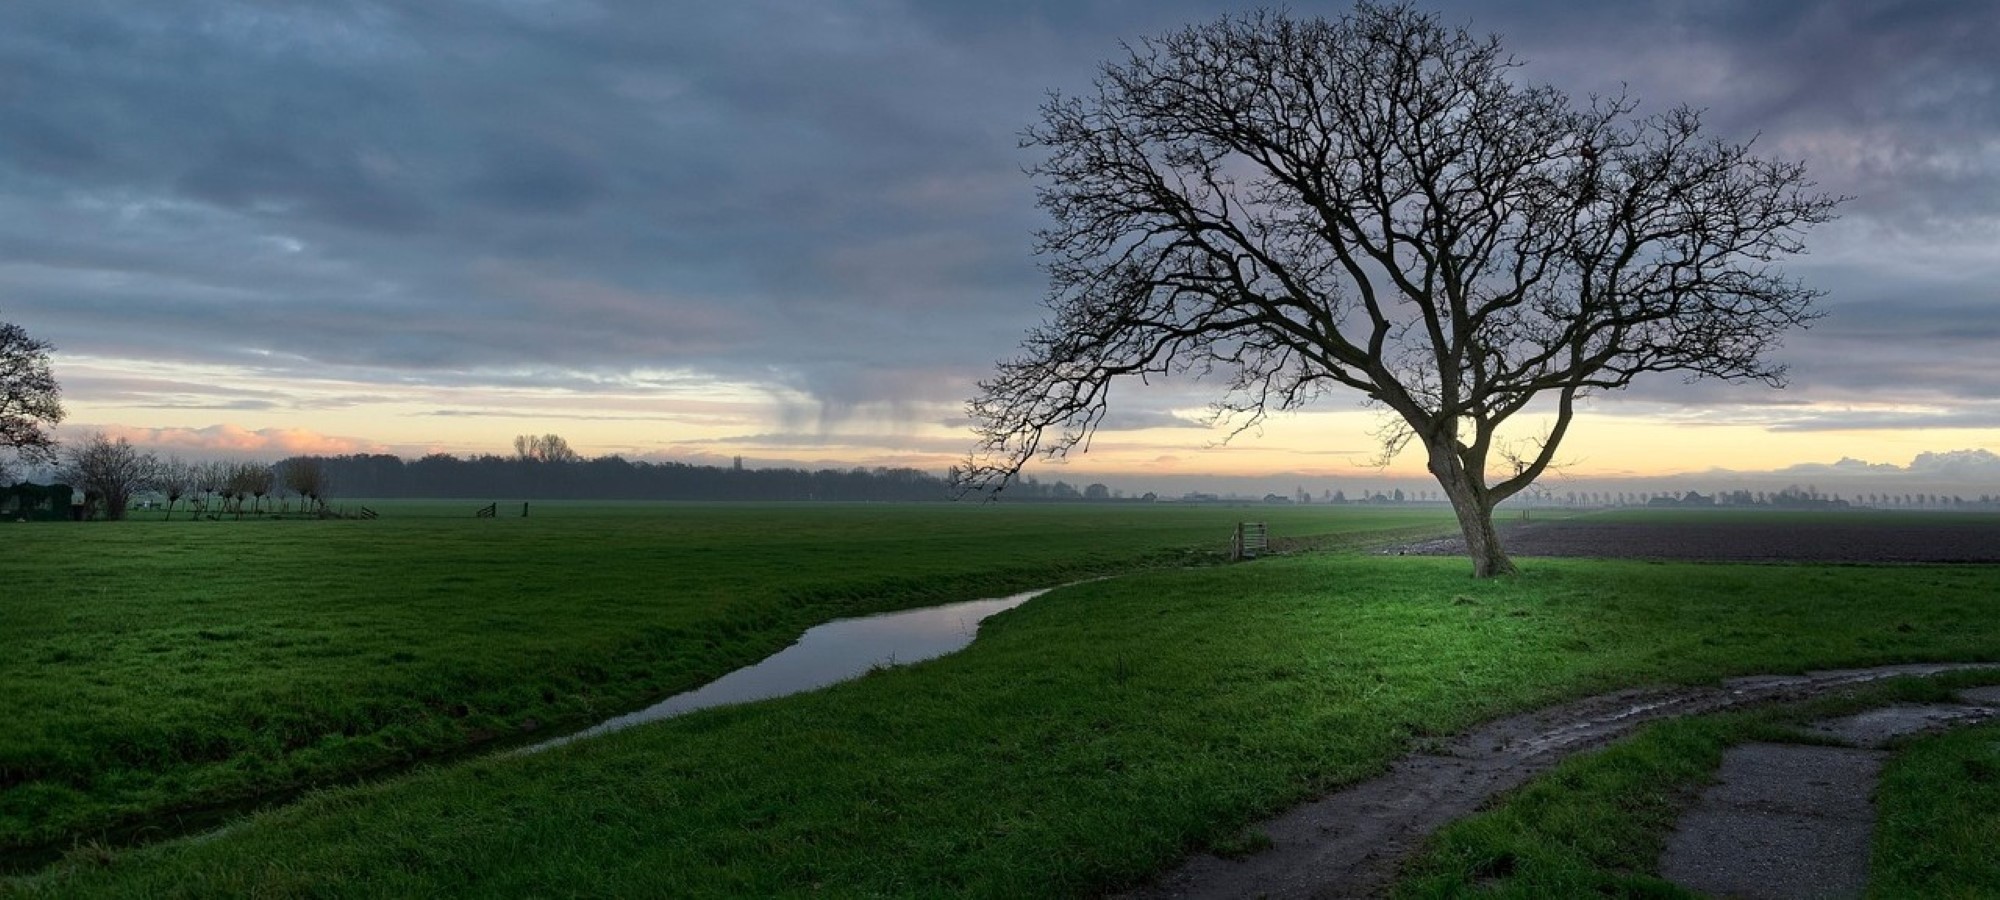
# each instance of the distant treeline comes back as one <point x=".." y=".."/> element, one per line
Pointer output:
<point x="612" y="478"/>
<point x="1792" y="497"/>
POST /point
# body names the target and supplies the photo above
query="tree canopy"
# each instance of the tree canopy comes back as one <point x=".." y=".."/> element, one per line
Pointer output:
<point x="30" y="399"/>
<point x="1381" y="204"/>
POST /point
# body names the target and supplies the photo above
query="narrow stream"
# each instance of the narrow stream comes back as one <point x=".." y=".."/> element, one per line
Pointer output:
<point x="826" y="654"/>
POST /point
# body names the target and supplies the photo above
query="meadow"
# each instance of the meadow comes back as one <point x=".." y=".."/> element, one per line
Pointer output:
<point x="160" y="672"/>
<point x="1086" y="740"/>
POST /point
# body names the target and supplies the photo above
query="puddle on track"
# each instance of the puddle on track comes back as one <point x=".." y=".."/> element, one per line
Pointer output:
<point x="826" y="654"/>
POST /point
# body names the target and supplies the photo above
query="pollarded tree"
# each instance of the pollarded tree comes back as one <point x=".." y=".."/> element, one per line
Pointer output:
<point x="1381" y="204"/>
<point x="306" y="476"/>
<point x="210" y="478"/>
<point x="30" y="399"/>
<point x="260" y="480"/>
<point x="243" y="481"/>
<point x="174" y="478"/>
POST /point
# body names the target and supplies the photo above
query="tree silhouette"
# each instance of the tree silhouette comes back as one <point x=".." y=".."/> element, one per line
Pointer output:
<point x="109" y="469"/>
<point x="544" y="448"/>
<point x="30" y="398"/>
<point x="175" y="478"/>
<point x="1379" y="204"/>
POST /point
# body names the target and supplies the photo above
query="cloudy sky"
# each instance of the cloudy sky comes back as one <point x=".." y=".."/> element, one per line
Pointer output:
<point x="800" y="231"/>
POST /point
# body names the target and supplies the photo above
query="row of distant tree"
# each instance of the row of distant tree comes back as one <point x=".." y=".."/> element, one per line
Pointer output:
<point x="1791" y="497"/>
<point x="100" y="476"/>
<point x="111" y="473"/>
<point x="546" y="471"/>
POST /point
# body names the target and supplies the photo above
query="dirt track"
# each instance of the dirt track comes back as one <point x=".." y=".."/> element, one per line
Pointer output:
<point x="1853" y="538"/>
<point x="1350" y="843"/>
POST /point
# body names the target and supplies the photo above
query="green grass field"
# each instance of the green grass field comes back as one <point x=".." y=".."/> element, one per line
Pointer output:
<point x="155" y="669"/>
<point x="1086" y="740"/>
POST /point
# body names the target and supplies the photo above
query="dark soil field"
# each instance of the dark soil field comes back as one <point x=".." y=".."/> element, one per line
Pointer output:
<point x="1725" y="536"/>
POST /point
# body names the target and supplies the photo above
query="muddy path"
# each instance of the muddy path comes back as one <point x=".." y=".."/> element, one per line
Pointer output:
<point x="1791" y="821"/>
<point x="1351" y="843"/>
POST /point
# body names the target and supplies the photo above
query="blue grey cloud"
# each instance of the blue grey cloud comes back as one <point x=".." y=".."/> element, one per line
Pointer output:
<point x="826" y="196"/>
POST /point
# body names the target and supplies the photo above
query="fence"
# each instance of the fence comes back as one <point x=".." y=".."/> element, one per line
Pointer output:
<point x="1250" y="541"/>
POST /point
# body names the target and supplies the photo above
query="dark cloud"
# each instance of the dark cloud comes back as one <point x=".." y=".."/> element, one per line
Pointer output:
<point x="536" y="181"/>
<point x="822" y="197"/>
<point x="1894" y="102"/>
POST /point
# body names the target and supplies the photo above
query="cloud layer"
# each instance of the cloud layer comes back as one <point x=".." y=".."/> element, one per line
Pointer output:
<point x="821" y="199"/>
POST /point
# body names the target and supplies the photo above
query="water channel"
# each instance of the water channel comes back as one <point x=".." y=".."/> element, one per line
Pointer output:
<point x="826" y="654"/>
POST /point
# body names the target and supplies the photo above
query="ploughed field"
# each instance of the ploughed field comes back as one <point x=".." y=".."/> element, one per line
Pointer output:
<point x="1724" y="535"/>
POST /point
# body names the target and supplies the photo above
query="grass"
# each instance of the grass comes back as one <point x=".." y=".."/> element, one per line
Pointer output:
<point x="1597" y="824"/>
<point x="153" y="672"/>
<point x="1938" y="835"/>
<point x="1087" y="739"/>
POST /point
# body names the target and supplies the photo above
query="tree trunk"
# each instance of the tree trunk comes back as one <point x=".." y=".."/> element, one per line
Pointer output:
<point x="1474" y="507"/>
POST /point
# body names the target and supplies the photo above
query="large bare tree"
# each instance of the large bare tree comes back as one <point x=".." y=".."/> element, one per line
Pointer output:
<point x="1382" y="204"/>
<point x="30" y="398"/>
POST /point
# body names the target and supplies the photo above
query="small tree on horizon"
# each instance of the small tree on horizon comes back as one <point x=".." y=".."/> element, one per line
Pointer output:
<point x="306" y="476"/>
<point x="243" y="480"/>
<point x="547" y="448"/>
<point x="174" y="478"/>
<point x="260" y="480"/>
<point x="1380" y="204"/>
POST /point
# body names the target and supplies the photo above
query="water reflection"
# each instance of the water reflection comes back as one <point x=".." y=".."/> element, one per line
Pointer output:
<point x="826" y="654"/>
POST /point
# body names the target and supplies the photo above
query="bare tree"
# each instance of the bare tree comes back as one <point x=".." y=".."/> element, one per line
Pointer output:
<point x="544" y="448"/>
<point x="30" y="399"/>
<point x="1379" y="204"/>
<point x="210" y="479"/>
<point x="242" y="481"/>
<point x="260" y="480"/>
<point x="306" y="476"/>
<point x="174" y="478"/>
<point x="112" y="470"/>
